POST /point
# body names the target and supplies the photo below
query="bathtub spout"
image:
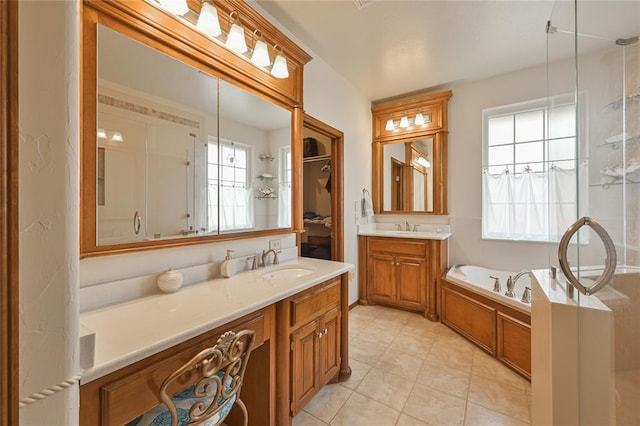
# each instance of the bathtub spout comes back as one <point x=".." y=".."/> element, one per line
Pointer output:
<point x="511" y="282"/>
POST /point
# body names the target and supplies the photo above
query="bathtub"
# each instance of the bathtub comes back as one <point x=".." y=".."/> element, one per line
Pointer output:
<point x="498" y="324"/>
<point x="477" y="279"/>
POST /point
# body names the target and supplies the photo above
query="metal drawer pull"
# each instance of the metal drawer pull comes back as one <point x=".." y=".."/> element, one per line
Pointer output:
<point x="610" y="262"/>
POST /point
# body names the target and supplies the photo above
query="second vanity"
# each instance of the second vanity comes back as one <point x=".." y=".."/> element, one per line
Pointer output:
<point x="400" y="268"/>
<point x="298" y="310"/>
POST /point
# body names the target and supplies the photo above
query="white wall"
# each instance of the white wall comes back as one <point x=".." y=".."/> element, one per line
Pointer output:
<point x="49" y="212"/>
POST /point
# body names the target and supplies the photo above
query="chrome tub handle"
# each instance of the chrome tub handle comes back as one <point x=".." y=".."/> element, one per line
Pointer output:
<point x="610" y="263"/>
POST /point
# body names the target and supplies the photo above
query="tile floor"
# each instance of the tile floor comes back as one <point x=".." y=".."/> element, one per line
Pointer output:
<point x="410" y="371"/>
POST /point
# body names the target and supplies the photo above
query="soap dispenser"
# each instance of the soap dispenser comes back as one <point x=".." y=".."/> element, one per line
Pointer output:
<point x="228" y="268"/>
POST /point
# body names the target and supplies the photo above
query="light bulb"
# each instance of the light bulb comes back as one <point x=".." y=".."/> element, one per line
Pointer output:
<point x="102" y="133"/>
<point x="404" y="122"/>
<point x="208" y="22"/>
<point x="280" y="69"/>
<point x="235" y="38"/>
<point x="260" y="55"/>
<point x="177" y="7"/>
<point x="419" y="121"/>
<point x="117" y="137"/>
<point x="390" y="125"/>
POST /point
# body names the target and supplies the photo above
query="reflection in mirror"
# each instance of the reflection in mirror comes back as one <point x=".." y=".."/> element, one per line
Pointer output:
<point x="181" y="153"/>
<point x="407" y="176"/>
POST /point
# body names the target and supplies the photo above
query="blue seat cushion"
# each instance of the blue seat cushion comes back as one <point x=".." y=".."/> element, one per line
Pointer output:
<point x="160" y="415"/>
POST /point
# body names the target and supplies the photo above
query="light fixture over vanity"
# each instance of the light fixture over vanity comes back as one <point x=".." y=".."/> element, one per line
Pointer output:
<point x="234" y="39"/>
<point x="406" y="122"/>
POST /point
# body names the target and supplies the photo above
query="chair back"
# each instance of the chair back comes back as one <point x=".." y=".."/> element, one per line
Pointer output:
<point x="219" y="374"/>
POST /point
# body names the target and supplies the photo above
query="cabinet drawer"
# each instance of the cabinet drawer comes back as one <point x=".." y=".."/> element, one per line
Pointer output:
<point x="123" y="400"/>
<point x="310" y="305"/>
<point x="392" y="245"/>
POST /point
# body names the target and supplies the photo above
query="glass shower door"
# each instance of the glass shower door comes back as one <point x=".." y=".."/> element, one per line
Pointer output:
<point x="594" y="58"/>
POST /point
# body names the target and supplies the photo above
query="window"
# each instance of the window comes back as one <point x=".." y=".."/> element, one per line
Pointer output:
<point x="228" y="172"/>
<point x="284" y="208"/>
<point x="529" y="170"/>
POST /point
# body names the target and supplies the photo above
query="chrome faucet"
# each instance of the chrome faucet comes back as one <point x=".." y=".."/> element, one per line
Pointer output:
<point x="415" y="227"/>
<point x="265" y="255"/>
<point x="511" y="282"/>
<point x="407" y="227"/>
<point x="496" y="284"/>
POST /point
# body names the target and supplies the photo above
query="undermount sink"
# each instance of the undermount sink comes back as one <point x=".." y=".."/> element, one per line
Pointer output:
<point x="288" y="272"/>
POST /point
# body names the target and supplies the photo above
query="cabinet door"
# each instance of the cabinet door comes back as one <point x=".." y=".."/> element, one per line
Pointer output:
<point x="304" y="366"/>
<point x="410" y="282"/>
<point x="382" y="270"/>
<point x="514" y="344"/>
<point x="330" y="345"/>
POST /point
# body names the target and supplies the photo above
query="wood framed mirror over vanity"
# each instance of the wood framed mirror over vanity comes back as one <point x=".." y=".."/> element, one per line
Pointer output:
<point x="410" y="155"/>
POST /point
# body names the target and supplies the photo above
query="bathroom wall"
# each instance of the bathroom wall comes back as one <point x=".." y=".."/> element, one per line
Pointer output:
<point x="49" y="212"/>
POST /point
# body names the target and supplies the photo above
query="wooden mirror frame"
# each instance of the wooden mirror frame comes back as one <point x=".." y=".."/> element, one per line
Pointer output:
<point x="433" y="106"/>
<point x="149" y="24"/>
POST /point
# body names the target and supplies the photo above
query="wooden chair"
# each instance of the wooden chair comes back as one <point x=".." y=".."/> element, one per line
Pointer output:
<point x="219" y="374"/>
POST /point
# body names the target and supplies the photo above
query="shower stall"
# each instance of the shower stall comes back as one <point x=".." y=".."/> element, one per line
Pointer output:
<point x="588" y="303"/>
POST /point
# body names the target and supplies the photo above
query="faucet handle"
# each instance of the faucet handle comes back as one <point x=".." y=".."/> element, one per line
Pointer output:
<point x="415" y="227"/>
<point x="398" y="227"/>
<point x="496" y="284"/>
<point x="510" y="285"/>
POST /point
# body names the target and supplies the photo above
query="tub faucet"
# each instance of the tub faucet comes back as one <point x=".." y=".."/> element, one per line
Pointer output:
<point x="511" y="282"/>
<point x="265" y="255"/>
<point x="496" y="284"/>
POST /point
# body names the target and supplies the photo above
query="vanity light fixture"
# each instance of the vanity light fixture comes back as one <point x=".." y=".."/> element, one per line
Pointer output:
<point x="177" y="7"/>
<point x="419" y="120"/>
<point x="279" y="68"/>
<point x="208" y="22"/>
<point x="390" y="125"/>
<point x="404" y="121"/>
<point x="424" y="162"/>
<point x="102" y="133"/>
<point x="235" y="38"/>
<point x="260" y="54"/>
<point x="117" y="137"/>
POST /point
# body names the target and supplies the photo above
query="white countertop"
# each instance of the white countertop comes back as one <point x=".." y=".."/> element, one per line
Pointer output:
<point x="131" y="331"/>
<point x="428" y="231"/>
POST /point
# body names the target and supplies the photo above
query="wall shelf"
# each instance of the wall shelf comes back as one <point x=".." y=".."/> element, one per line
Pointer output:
<point x="316" y="158"/>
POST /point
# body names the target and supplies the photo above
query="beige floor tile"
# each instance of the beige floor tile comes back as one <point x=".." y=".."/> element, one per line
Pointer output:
<point x="386" y="388"/>
<point x="306" y="419"/>
<point x="435" y="407"/>
<point x="456" y="342"/>
<point x="414" y="345"/>
<point x="398" y="362"/>
<point x="421" y="325"/>
<point x="444" y="379"/>
<point x="451" y="357"/>
<point x="481" y="416"/>
<point x="499" y="397"/>
<point x="378" y="334"/>
<point x="328" y="401"/>
<point x="366" y="351"/>
<point x="358" y="371"/>
<point x="362" y="411"/>
<point x="405" y="420"/>
<point x="487" y="366"/>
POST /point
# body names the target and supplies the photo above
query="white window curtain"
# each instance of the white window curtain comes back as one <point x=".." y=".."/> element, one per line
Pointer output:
<point x="235" y="205"/>
<point x="536" y="206"/>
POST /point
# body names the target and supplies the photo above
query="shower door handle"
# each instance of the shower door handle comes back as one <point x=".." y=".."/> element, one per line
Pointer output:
<point x="137" y="222"/>
<point x="610" y="262"/>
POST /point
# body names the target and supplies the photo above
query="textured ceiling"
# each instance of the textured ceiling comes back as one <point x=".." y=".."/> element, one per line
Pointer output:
<point x="387" y="48"/>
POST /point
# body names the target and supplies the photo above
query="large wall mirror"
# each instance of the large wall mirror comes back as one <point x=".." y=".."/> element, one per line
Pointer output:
<point x="410" y="155"/>
<point x="179" y="154"/>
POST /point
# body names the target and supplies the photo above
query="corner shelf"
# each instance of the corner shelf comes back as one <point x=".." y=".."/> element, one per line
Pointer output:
<point x="265" y="157"/>
<point x="266" y="197"/>
<point x="266" y="177"/>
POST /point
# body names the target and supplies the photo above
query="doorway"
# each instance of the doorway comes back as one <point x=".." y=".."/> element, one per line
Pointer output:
<point x="322" y="183"/>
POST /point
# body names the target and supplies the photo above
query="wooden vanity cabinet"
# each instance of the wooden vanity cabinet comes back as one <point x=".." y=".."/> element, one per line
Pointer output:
<point x="314" y="335"/>
<point x="401" y="272"/>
